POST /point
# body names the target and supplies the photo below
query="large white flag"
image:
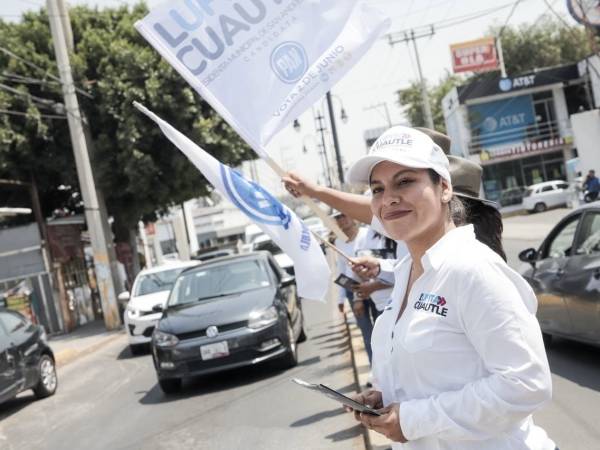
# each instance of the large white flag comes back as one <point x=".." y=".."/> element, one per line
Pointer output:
<point x="274" y="218"/>
<point x="262" y="63"/>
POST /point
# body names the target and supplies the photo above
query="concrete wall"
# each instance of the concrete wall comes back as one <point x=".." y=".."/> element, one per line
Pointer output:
<point x="586" y="131"/>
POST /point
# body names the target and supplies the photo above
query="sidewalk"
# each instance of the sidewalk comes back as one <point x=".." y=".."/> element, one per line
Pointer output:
<point x="82" y="341"/>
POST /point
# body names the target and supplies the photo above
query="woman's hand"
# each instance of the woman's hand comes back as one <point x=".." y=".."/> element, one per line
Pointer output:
<point x="370" y="398"/>
<point x="366" y="267"/>
<point x="298" y="186"/>
<point x="364" y="290"/>
<point x="388" y="423"/>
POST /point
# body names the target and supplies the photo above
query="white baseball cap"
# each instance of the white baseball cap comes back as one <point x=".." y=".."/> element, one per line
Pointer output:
<point x="405" y="146"/>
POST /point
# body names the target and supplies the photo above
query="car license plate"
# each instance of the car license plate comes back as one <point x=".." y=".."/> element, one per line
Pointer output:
<point x="216" y="350"/>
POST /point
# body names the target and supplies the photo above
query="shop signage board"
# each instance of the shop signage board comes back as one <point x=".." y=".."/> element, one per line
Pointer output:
<point x="494" y="85"/>
<point x="501" y="121"/>
<point x="475" y="56"/>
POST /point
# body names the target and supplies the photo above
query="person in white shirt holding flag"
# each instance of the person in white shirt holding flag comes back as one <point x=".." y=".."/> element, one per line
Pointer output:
<point x="458" y="356"/>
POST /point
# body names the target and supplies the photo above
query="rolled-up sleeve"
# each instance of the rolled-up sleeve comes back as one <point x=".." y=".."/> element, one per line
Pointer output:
<point x="507" y="337"/>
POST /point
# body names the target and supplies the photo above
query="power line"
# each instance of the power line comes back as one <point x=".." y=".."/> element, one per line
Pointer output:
<point x="21" y="113"/>
<point x="510" y="14"/>
<point x="47" y="72"/>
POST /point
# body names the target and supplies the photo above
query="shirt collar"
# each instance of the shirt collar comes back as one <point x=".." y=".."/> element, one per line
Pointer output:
<point x="447" y="245"/>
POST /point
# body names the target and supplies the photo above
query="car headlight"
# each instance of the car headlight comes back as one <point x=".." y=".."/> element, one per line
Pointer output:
<point x="162" y="339"/>
<point x="260" y="319"/>
<point x="133" y="312"/>
<point x="43" y="335"/>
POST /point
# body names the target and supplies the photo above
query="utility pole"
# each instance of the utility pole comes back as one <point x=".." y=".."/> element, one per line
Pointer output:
<point x="320" y="127"/>
<point x="424" y="96"/>
<point x="336" y="144"/>
<point x="84" y="172"/>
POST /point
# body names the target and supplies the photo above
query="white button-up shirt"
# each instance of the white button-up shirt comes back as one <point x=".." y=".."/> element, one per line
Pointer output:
<point x="465" y="361"/>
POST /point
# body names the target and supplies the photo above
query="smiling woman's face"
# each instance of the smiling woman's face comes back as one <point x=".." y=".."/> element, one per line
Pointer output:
<point x="407" y="201"/>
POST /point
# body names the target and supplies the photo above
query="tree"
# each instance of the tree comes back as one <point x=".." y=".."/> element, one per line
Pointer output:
<point x="411" y="99"/>
<point x="136" y="168"/>
<point x="546" y="43"/>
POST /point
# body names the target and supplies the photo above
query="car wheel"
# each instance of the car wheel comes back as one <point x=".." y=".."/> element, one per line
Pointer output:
<point x="48" y="380"/>
<point x="547" y="339"/>
<point x="170" y="385"/>
<point x="290" y="359"/>
<point x="302" y="337"/>
<point x="540" y="207"/>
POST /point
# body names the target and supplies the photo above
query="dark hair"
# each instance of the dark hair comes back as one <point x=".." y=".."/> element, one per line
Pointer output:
<point x="486" y="220"/>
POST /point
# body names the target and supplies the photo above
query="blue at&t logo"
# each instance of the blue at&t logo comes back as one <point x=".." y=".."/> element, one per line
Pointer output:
<point x="254" y="201"/>
<point x="289" y="61"/>
<point x="505" y="84"/>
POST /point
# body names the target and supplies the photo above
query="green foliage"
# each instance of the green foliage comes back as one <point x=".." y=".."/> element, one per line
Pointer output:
<point x="411" y="98"/>
<point x="546" y="43"/>
<point x="136" y="168"/>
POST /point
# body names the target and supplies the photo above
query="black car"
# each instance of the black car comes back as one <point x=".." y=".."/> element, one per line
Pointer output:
<point x="565" y="275"/>
<point x="26" y="361"/>
<point x="227" y="313"/>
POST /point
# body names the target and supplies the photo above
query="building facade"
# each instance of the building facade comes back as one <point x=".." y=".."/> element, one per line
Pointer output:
<point x="519" y="128"/>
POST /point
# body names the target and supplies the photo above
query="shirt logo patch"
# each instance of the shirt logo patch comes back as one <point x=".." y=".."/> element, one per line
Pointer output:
<point x="432" y="303"/>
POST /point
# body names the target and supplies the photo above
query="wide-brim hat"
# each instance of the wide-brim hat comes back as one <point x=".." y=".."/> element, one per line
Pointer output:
<point x="466" y="179"/>
<point x="405" y="146"/>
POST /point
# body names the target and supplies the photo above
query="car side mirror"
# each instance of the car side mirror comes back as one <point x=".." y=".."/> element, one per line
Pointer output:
<point x="287" y="281"/>
<point x="123" y="296"/>
<point x="158" y="308"/>
<point x="529" y="256"/>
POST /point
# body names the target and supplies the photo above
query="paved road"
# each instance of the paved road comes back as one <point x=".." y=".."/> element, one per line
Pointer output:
<point x="110" y="400"/>
<point x="571" y="419"/>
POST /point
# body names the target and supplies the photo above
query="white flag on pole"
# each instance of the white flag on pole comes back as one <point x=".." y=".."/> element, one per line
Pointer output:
<point x="262" y="63"/>
<point x="275" y="219"/>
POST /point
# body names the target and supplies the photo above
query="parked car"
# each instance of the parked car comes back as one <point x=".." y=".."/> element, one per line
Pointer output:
<point x="539" y="197"/>
<point x="565" y="275"/>
<point x="26" y="360"/>
<point x="264" y="242"/>
<point x="150" y="289"/>
<point x="227" y="313"/>
<point x="512" y="196"/>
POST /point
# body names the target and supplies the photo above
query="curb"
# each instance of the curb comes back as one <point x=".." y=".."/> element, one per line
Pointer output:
<point x="350" y="330"/>
<point x="361" y="368"/>
<point x="68" y="355"/>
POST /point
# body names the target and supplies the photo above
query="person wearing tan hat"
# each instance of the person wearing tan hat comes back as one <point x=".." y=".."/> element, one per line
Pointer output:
<point x="458" y="356"/>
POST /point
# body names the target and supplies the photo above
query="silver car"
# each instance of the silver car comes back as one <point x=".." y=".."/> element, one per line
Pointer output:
<point x="565" y="275"/>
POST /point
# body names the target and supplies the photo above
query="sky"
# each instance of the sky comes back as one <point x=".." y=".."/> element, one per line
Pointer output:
<point x="371" y="86"/>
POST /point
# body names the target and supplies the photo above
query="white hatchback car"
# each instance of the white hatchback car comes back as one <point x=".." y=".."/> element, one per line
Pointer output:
<point x="150" y="288"/>
<point x="539" y="197"/>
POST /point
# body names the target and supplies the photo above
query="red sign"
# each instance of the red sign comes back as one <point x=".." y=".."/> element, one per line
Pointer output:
<point x="475" y="56"/>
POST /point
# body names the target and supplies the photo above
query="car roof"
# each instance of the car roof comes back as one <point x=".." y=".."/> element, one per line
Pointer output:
<point x="262" y="254"/>
<point x="592" y="205"/>
<point x="170" y="266"/>
<point x="546" y="183"/>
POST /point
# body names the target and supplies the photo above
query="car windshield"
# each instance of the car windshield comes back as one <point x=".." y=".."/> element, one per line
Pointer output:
<point x="156" y="282"/>
<point x="528" y="192"/>
<point x="269" y="246"/>
<point x="218" y="281"/>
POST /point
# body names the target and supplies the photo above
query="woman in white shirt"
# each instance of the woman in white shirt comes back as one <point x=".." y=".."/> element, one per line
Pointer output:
<point x="458" y="357"/>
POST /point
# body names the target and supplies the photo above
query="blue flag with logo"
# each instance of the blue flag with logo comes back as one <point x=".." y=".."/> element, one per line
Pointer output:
<point x="285" y="228"/>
